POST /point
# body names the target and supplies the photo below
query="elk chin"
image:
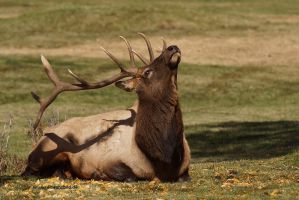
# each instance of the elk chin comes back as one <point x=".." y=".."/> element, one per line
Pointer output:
<point x="127" y="85"/>
<point x="174" y="60"/>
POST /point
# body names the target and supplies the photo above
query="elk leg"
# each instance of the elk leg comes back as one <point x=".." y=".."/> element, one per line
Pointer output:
<point x="64" y="171"/>
<point x="29" y="172"/>
<point x="121" y="172"/>
<point x="63" y="174"/>
<point x="45" y="159"/>
<point x="185" y="177"/>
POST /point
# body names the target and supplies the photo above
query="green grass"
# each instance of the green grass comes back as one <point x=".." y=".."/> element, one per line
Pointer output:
<point x="241" y="121"/>
<point x="61" y="23"/>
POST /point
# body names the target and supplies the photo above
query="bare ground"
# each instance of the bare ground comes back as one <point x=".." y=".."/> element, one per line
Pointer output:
<point x="245" y="50"/>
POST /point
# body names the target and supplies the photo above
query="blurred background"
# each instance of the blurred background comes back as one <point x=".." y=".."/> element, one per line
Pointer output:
<point x="238" y="78"/>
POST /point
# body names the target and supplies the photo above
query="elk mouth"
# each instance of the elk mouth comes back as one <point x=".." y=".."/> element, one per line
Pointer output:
<point x="174" y="54"/>
<point x="175" y="60"/>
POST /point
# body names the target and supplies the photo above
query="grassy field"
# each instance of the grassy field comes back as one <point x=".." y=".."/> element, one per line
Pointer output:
<point x="60" y="23"/>
<point x="240" y="104"/>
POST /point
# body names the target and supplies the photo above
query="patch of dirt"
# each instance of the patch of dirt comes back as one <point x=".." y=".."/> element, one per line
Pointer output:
<point x="11" y="12"/>
<point x="283" y="19"/>
<point x="8" y="15"/>
<point x="245" y="50"/>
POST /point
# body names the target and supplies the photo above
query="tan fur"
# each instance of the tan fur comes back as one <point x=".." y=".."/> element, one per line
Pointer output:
<point x="120" y="146"/>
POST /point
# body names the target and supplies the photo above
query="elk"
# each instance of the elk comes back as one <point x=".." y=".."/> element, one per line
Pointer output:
<point x="144" y="142"/>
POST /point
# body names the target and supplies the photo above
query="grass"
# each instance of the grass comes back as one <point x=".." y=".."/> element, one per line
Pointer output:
<point x="261" y="179"/>
<point x="241" y="121"/>
<point x="56" y="23"/>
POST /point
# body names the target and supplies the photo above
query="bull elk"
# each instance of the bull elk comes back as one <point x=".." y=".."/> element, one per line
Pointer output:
<point x="144" y="142"/>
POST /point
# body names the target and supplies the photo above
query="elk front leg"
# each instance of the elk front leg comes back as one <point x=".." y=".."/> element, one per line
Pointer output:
<point x="45" y="158"/>
<point x="185" y="177"/>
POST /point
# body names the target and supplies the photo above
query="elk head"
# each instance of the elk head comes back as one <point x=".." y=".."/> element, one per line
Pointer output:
<point x="156" y="80"/>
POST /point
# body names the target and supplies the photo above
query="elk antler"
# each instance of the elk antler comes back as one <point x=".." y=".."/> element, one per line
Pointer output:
<point x="60" y="86"/>
<point x="130" y="51"/>
<point x="149" y="47"/>
<point x="143" y="59"/>
<point x="150" y="50"/>
<point x="164" y="45"/>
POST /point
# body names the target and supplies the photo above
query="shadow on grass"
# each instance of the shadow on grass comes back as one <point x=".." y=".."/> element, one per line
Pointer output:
<point x="5" y="178"/>
<point x="242" y="140"/>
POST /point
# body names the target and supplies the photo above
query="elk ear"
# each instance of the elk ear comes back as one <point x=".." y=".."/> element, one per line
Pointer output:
<point x="127" y="85"/>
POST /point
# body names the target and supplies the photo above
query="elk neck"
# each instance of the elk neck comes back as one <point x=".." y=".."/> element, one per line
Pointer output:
<point x="159" y="134"/>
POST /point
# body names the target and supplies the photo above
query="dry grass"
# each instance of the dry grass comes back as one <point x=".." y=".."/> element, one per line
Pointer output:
<point x="51" y="120"/>
<point x="9" y="164"/>
<point x="251" y="49"/>
<point x="4" y="134"/>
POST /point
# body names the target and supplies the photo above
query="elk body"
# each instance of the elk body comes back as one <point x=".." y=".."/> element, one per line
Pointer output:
<point x="143" y="142"/>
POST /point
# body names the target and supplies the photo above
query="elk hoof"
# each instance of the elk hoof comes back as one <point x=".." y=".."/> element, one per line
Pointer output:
<point x="184" y="178"/>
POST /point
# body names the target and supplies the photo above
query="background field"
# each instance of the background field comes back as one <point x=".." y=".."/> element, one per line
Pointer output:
<point x="238" y="85"/>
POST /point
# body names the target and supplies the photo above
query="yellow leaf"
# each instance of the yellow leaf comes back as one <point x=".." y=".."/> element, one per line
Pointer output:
<point x="37" y="182"/>
<point x="54" y="179"/>
<point x="226" y="185"/>
<point x="10" y="193"/>
<point x="244" y="184"/>
<point x="232" y="180"/>
<point x="154" y="181"/>
<point x="275" y="193"/>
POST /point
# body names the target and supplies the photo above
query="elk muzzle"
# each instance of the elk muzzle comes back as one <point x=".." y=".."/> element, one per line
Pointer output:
<point x="174" y="54"/>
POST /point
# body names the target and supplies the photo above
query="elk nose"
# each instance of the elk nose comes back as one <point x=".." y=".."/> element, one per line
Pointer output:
<point x="173" y="48"/>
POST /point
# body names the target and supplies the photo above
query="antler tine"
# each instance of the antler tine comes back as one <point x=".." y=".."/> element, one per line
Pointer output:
<point x="77" y="77"/>
<point x="49" y="71"/>
<point x="149" y="46"/>
<point x="143" y="59"/>
<point x="36" y="97"/>
<point x="60" y="86"/>
<point x="164" y="45"/>
<point x="130" y="51"/>
<point x="119" y="64"/>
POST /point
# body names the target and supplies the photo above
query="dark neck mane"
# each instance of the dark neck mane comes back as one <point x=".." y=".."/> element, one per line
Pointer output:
<point x="159" y="134"/>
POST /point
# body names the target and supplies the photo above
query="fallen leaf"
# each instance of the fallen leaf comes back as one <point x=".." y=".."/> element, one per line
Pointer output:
<point x="244" y="184"/>
<point x="275" y="192"/>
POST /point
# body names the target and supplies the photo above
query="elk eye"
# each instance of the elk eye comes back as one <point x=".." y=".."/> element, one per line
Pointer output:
<point x="147" y="73"/>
